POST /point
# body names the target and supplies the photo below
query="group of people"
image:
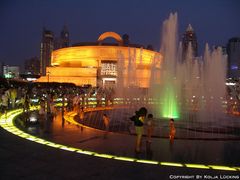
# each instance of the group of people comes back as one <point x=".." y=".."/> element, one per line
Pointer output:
<point x="10" y="96"/>
<point x="140" y="119"/>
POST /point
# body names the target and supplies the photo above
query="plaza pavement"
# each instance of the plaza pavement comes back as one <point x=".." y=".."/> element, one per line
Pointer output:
<point x="23" y="159"/>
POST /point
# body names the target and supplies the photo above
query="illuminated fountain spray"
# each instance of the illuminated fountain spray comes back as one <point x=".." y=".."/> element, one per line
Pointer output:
<point x="131" y="68"/>
<point x="127" y="81"/>
<point x="170" y="107"/>
<point x="214" y="79"/>
<point x="120" y="75"/>
<point x="202" y="84"/>
<point x="189" y="85"/>
<point x="178" y="87"/>
<point x="166" y="90"/>
<point x="191" y="89"/>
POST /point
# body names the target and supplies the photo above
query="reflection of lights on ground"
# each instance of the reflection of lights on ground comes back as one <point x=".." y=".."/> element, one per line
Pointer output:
<point x="6" y="122"/>
<point x="34" y="100"/>
<point x="33" y="118"/>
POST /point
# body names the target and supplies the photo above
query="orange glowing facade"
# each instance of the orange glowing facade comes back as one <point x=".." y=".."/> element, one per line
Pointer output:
<point x="102" y="64"/>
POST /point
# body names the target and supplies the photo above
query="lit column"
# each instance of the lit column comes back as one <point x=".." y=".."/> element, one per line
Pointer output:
<point x="48" y="75"/>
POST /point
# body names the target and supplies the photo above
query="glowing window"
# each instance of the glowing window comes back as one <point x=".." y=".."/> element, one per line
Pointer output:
<point x="109" y="68"/>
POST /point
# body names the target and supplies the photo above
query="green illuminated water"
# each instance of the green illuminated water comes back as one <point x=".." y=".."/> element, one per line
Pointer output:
<point x="170" y="107"/>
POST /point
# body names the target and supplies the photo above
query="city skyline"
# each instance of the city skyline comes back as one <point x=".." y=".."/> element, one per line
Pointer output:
<point x="23" y="21"/>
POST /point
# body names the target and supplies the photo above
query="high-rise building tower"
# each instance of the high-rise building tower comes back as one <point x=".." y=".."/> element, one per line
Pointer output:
<point x="1" y="69"/>
<point x="63" y="40"/>
<point x="64" y="37"/>
<point x="46" y="50"/>
<point x="190" y="37"/>
<point x="233" y="51"/>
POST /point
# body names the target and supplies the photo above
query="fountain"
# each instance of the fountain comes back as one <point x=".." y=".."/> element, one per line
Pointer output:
<point x="189" y="89"/>
<point x="166" y="91"/>
<point x="189" y="84"/>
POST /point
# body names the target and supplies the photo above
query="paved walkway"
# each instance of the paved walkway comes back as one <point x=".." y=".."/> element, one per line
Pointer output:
<point x="23" y="159"/>
<point x="181" y="151"/>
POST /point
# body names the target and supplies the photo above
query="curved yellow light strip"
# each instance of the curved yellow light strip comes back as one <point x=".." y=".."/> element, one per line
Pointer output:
<point x="6" y="122"/>
<point x="199" y="166"/>
<point x="69" y="117"/>
<point x="222" y="168"/>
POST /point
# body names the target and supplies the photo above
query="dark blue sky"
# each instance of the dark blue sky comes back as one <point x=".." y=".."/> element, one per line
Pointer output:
<point x="214" y="21"/>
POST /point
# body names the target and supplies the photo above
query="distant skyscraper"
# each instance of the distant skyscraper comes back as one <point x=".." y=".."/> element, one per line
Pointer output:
<point x="63" y="40"/>
<point x="233" y="51"/>
<point x="32" y="66"/>
<point x="46" y="50"/>
<point x="1" y="69"/>
<point x="64" y="37"/>
<point x="190" y="37"/>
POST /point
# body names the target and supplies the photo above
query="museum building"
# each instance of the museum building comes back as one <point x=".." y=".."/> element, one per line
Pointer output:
<point x="103" y="64"/>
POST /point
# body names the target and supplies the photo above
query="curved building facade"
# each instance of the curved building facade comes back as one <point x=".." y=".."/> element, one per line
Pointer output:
<point x="102" y="64"/>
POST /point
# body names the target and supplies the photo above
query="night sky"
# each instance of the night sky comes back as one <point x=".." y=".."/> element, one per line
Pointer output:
<point x="22" y="21"/>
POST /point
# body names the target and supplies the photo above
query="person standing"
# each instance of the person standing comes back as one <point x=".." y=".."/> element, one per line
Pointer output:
<point x="49" y="117"/>
<point x="81" y="117"/>
<point x="26" y="106"/>
<point x="63" y="106"/>
<point x="4" y="104"/>
<point x="150" y="127"/>
<point x="106" y="122"/>
<point x="42" y="114"/>
<point x="172" y="130"/>
<point x="13" y="96"/>
<point x="52" y="107"/>
<point x="138" y="120"/>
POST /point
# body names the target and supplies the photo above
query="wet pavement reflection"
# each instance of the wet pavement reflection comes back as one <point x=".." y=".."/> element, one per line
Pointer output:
<point x="122" y="144"/>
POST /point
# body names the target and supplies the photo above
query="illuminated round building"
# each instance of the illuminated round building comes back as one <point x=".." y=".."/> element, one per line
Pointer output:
<point x="102" y="64"/>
